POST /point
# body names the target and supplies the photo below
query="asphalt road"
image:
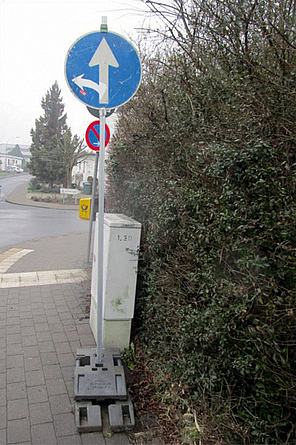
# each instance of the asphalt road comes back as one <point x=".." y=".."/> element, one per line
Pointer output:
<point x="23" y="223"/>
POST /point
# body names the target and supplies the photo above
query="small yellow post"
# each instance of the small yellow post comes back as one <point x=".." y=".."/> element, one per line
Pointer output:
<point x="84" y="208"/>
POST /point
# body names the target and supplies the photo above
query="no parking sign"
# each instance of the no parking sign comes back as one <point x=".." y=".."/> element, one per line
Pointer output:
<point x="92" y="135"/>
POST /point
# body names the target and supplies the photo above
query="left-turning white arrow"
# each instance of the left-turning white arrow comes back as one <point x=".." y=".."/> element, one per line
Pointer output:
<point x="87" y="83"/>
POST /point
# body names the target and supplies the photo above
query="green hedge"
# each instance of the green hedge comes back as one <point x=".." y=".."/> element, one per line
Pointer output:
<point x="204" y="157"/>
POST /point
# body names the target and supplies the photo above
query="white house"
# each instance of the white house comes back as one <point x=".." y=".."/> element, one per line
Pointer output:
<point x="84" y="170"/>
<point x="9" y="160"/>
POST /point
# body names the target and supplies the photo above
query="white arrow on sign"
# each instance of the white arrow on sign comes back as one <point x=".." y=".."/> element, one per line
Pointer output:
<point x="87" y="83"/>
<point x="104" y="57"/>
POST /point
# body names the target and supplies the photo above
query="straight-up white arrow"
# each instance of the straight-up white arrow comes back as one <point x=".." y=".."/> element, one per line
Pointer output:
<point x="104" y="57"/>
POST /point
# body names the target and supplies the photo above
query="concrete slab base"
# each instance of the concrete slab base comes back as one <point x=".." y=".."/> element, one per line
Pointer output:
<point x="103" y="381"/>
<point x="121" y="415"/>
<point x="88" y="417"/>
<point x="100" y="392"/>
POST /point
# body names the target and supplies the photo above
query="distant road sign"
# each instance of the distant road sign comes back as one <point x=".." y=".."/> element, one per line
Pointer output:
<point x="69" y="191"/>
<point x="103" y="70"/>
<point x="92" y="135"/>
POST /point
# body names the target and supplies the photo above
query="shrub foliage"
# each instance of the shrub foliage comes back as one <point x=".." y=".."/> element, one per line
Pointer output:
<point x="204" y="158"/>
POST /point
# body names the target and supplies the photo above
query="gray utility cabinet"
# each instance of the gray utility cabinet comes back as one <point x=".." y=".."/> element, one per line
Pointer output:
<point x="121" y="252"/>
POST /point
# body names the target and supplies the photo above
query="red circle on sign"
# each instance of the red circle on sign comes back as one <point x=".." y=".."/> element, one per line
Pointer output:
<point x="92" y="135"/>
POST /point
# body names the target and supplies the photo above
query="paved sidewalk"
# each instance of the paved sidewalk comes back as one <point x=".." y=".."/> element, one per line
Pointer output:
<point x="42" y="324"/>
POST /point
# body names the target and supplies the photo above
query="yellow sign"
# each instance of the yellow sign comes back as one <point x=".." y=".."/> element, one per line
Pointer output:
<point x="84" y="208"/>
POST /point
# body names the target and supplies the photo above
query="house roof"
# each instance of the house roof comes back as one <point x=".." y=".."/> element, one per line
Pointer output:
<point x="7" y="149"/>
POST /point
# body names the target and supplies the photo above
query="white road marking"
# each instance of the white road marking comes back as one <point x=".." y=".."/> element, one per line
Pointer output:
<point x="11" y="256"/>
<point x="40" y="278"/>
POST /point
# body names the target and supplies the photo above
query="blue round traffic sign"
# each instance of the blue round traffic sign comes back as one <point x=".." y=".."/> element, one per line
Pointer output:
<point x="92" y="135"/>
<point x="103" y="70"/>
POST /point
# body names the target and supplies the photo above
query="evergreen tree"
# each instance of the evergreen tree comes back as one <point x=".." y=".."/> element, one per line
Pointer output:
<point x="72" y="150"/>
<point x="51" y="138"/>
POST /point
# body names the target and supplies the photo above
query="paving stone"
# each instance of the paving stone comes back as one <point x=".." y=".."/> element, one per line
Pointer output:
<point x="69" y="440"/>
<point x="16" y="391"/>
<point x="32" y="363"/>
<point x="93" y="439"/>
<point x="56" y="386"/>
<point x="52" y="372"/>
<point x="59" y="337"/>
<point x="49" y="358"/>
<point x="17" y="409"/>
<point x="14" y="361"/>
<point x="75" y="345"/>
<point x="26" y="315"/>
<point x="53" y="320"/>
<point x="13" y="321"/>
<point x="70" y="388"/>
<point x="86" y="340"/>
<point x="30" y="351"/>
<point x="63" y="347"/>
<point x="51" y="313"/>
<point x="40" y="413"/>
<point x="3" y="440"/>
<point x="42" y="431"/>
<point x="14" y="329"/>
<point x="35" y="378"/>
<point x="3" y="397"/>
<point x="41" y="327"/>
<point x="30" y="340"/>
<point x="14" y="349"/>
<point x="15" y="375"/>
<point x="3" y="417"/>
<point x="63" y="308"/>
<point x="26" y="322"/>
<point x="56" y="327"/>
<point x="28" y="330"/>
<point x="44" y="336"/>
<point x="72" y="335"/>
<point x="39" y="311"/>
<point x="18" y="431"/>
<point x="39" y="319"/>
<point x="46" y="346"/>
<point x="64" y="424"/>
<point x="60" y="404"/>
<point x="66" y="316"/>
<point x="37" y="394"/>
<point x="67" y="359"/>
<point x="68" y="372"/>
<point x="13" y="338"/>
<point x="3" y="380"/>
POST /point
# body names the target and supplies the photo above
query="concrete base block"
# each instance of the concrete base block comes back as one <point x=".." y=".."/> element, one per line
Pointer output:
<point x="121" y="416"/>
<point x="88" y="416"/>
<point x="99" y="381"/>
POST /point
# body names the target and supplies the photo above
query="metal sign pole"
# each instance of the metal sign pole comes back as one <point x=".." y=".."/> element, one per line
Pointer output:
<point x="100" y="249"/>
<point x="92" y="207"/>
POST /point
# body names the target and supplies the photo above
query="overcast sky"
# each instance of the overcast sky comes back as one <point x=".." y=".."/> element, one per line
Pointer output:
<point x="35" y="36"/>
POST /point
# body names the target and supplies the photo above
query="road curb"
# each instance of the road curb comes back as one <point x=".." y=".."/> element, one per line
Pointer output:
<point x="18" y="196"/>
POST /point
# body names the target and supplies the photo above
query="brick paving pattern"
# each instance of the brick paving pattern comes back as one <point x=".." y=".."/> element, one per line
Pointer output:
<point x="41" y="328"/>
